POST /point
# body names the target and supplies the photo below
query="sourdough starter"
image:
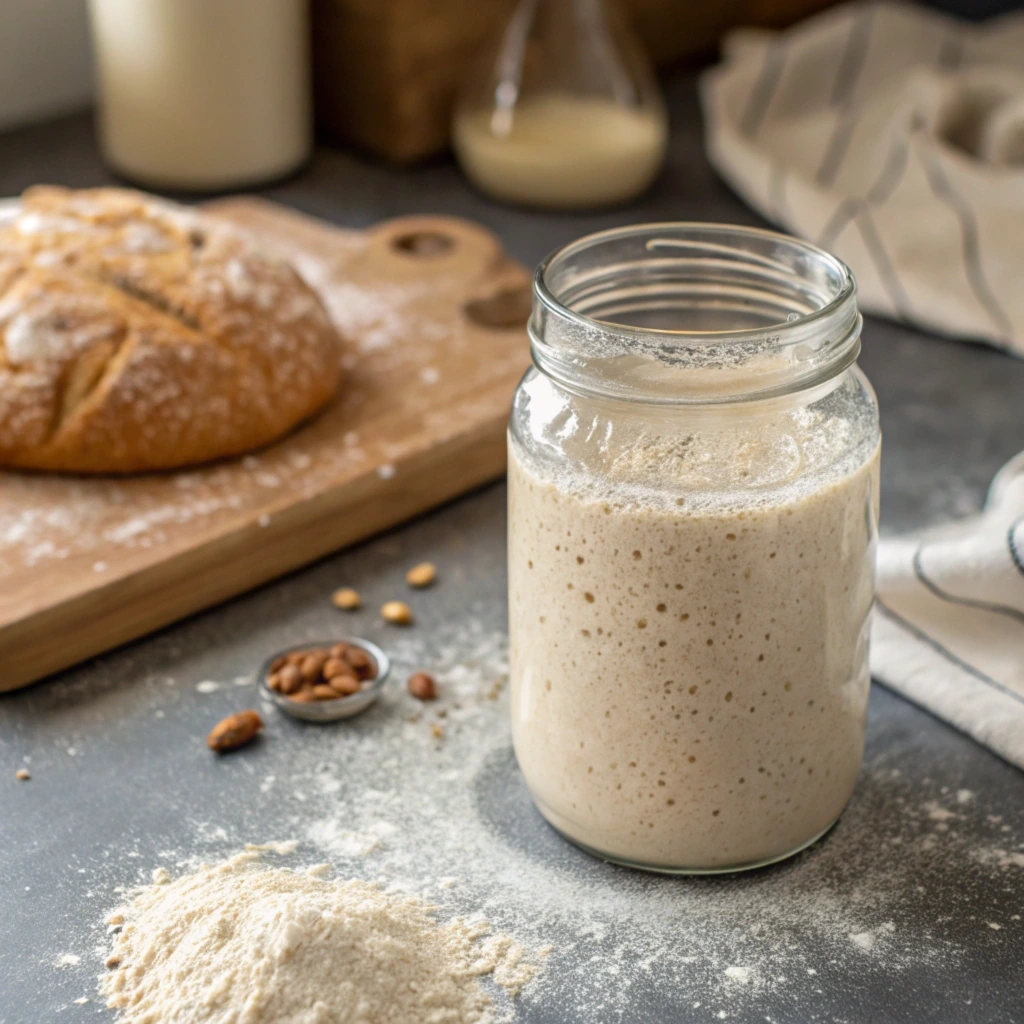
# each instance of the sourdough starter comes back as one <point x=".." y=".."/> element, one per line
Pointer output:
<point x="689" y="684"/>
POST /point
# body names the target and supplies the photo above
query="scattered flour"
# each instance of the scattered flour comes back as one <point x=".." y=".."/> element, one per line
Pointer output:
<point x="68" y="960"/>
<point x="282" y="849"/>
<point x="739" y="975"/>
<point x="379" y="797"/>
<point x="937" y="813"/>
<point x="867" y="941"/>
<point x="239" y="941"/>
<point x="346" y="843"/>
<point x="425" y="812"/>
<point x="1001" y="858"/>
<point x="213" y="685"/>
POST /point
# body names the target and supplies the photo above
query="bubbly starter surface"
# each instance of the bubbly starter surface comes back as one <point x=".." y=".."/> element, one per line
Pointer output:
<point x="689" y="685"/>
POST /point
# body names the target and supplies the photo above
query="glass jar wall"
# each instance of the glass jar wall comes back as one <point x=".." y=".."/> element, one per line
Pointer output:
<point x="693" y="495"/>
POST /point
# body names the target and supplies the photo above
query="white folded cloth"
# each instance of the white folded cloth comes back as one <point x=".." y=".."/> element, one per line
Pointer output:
<point x="948" y="627"/>
<point x="892" y="136"/>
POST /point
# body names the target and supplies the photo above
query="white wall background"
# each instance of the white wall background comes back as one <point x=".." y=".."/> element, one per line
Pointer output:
<point x="45" y="62"/>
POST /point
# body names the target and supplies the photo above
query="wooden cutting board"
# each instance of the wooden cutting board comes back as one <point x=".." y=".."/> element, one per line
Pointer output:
<point x="433" y="314"/>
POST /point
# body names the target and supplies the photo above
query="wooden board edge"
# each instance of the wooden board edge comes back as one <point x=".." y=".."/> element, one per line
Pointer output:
<point x="224" y="567"/>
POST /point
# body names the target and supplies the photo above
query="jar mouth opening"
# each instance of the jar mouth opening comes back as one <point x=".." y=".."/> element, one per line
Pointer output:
<point x="708" y="241"/>
<point x="753" y="310"/>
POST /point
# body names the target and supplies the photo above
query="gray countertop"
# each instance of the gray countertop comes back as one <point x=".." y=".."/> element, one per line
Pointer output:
<point x="910" y="910"/>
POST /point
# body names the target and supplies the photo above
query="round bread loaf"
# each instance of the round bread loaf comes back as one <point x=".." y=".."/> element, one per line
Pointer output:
<point x="139" y="335"/>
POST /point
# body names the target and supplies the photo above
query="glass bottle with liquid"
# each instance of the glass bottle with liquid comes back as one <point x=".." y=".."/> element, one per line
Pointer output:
<point x="203" y="95"/>
<point x="564" y="111"/>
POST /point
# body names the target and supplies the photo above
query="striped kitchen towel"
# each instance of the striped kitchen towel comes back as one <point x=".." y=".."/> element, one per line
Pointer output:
<point x="948" y="627"/>
<point x="892" y="136"/>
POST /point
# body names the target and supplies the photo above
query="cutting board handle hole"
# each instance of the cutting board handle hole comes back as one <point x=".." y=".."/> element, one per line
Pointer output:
<point x="424" y="244"/>
<point x="505" y="309"/>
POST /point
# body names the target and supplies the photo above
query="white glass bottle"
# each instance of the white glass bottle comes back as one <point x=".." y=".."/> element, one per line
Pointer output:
<point x="564" y="111"/>
<point x="203" y="94"/>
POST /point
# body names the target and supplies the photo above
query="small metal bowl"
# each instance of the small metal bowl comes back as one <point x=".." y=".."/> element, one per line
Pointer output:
<point x="340" y="707"/>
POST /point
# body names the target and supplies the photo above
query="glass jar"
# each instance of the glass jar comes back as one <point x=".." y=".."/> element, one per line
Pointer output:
<point x="693" y="503"/>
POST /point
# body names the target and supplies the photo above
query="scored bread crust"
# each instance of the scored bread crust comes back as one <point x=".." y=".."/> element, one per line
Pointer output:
<point x="139" y="335"/>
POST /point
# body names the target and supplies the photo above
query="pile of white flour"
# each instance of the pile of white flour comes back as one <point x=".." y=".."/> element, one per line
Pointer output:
<point x="239" y="942"/>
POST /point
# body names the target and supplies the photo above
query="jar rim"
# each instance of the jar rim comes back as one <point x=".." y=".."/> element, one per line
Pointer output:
<point x="795" y="274"/>
<point x="544" y="292"/>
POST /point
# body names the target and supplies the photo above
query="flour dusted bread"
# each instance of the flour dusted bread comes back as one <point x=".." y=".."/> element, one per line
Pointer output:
<point x="138" y="335"/>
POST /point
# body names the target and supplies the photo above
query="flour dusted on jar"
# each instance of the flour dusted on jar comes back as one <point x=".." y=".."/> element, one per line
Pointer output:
<point x="691" y="549"/>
